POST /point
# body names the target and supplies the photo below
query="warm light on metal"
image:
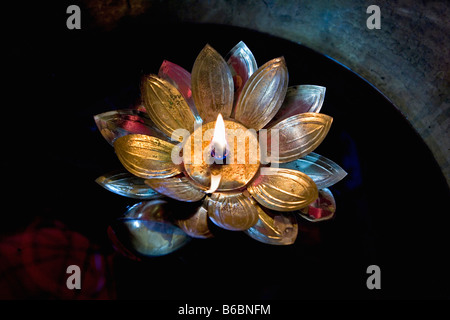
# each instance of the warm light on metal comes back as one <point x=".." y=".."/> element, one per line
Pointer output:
<point x="215" y="181"/>
<point x="185" y="150"/>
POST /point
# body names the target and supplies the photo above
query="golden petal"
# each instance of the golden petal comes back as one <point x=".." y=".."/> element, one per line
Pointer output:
<point x="165" y="105"/>
<point x="232" y="211"/>
<point x="145" y="156"/>
<point x="284" y="190"/>
<point x="274" y="228"/>
<point x="299" y="135"/>
<point x="320" y="169"/>
<point x="263" y="94"/>
<point x="178" y="188"/>
<point x="196" y="225"/>
<point x="212" y="85"/>
<point x="180" y="79"/>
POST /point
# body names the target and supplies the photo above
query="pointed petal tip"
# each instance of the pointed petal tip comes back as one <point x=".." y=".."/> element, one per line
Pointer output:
<point x="208" y="47"/>
<point x="308" y="86"/>
<point x="241" y="44"/>
<point x="164" y="65"/>
<point x="281" y="60"/>
<point x="100" y="180"/>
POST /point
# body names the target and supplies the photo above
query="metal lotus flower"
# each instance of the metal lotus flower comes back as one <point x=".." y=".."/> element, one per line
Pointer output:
<point x="264" y="206"/>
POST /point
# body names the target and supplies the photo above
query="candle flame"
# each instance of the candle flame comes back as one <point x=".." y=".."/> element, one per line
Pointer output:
<point x="215" y="180"/>
<point x="219" y="140"/>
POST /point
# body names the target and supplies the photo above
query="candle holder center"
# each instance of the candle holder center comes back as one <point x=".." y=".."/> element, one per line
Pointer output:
<point x="239" y="157"/>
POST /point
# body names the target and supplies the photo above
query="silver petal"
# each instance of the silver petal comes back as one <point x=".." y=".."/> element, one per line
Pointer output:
<point x="127" y="185"/>
<point x="118" y="123"/>
<point x="242" y="64"/>
<point x="320" y="169"/>
<point x="149" y="231"/>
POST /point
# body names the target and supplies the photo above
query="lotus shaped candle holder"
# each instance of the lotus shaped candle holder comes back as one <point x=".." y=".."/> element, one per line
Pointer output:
<point x="259" y="178"/>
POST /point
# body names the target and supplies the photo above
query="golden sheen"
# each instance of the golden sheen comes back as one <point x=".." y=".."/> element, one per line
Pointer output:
<point x="235" y="175"/>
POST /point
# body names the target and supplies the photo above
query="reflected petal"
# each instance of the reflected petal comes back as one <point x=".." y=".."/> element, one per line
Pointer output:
<point x="119" y="123"/>
<point x="165" y="105"/>
<point x="119" y="246"/>
<point x="146" y="157"/>
<point x="283" y="190"/>
<point x="300" y="135"/>
<point x="196" y="225"/>
<point x="320" y="169"/>
<point x="181" y="80"/>
<point x="242" y="64"/>
<point x="178" y="188"/>
<point x="263" y="94"/>
<point x="212" y="85"/>
<point x="234" y="211"/>
<point x="127" y="185"/>
<point x="274" y="228"/>
<point x="148" y="232"/>
<point x="300" y="99"/>
<point x="321" y="209"/>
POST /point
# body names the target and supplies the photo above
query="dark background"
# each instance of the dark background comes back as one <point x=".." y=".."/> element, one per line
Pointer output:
<point x="391" y="208"/>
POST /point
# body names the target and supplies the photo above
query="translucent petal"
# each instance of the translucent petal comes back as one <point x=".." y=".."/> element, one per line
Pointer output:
<point x="300" y="135"/>
<point x="146" y="157"/>
<point x="127" y="185"/>
<point x="300" y="99"/>
<point x="321" y="209"/>
<point x="232" y="211"/>
<point x="212" y="85"/>
<point x="283" y="190"/>
<point x="146" y="229"/>
<point x="118" y="123"/>
<point x="274" y="228"/>
<point x="320" y="169"/>
<point x="178" y="188"/>
<point x="165" y="105"/>
<point x="180" y="79"/>
<point x="242" y="64"/>
<point x="263" y="94"/>
<point x="119" y="246"/>
<point x="196" y="225"/>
